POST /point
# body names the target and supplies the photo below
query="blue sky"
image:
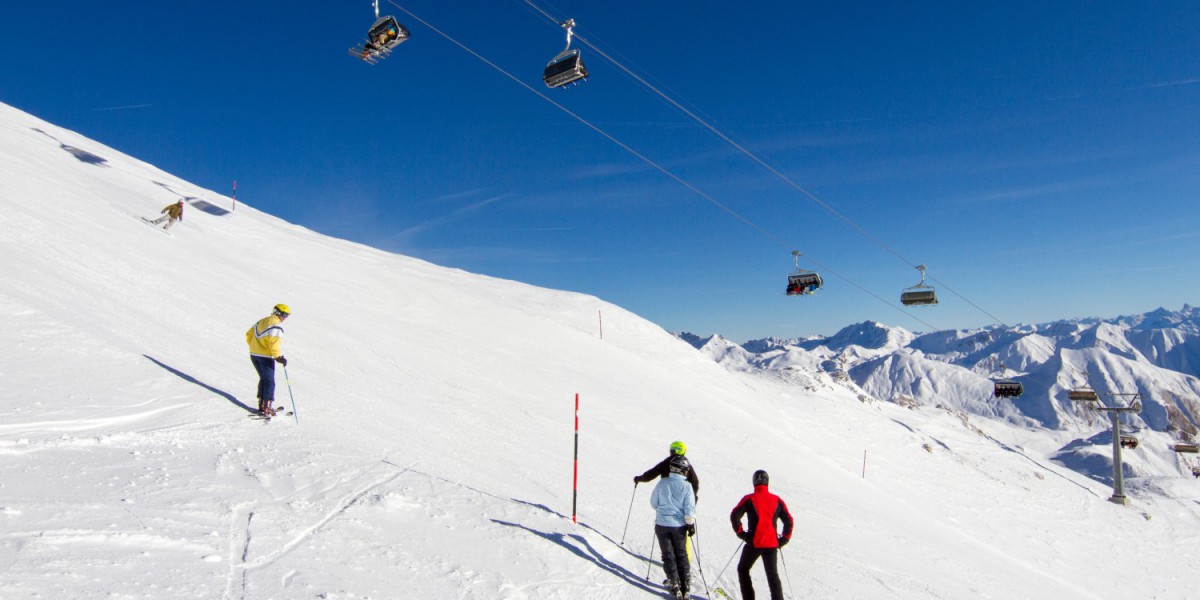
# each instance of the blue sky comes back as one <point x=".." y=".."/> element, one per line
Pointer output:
<point x="1042" y="158"/>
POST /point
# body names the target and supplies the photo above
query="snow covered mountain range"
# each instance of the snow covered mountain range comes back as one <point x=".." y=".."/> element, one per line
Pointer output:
<point x="430" y="455"/>
<point x="1155" y="355"/>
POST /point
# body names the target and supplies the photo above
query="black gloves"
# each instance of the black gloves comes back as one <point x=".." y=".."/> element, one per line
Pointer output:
<point x="691" y="529"/>
<point x="281" y="360"/>
<point x="783" y="541"/>
<point x="743" y="535"/>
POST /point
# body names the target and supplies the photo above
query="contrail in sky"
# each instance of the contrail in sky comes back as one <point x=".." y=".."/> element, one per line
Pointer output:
<point x="439" y="221"/>
<point x="112" y="108"/>
<point x="1176" y="82"/>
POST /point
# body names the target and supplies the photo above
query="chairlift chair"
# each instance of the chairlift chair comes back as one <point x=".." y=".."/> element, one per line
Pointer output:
<point x="1196" y="472"/>
<point x="1128" y="441"/>
<point x="1186" y="448"/>
<point x="1083" y="395"/>
<point x="382" y="37"/>
<point x="920" y="294"/>
<point x="567" y="67"/>
<point x="802" y="282"/>
<point x="1008" y="388"/>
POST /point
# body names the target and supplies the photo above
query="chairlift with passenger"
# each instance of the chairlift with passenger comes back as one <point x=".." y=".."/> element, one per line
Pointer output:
<point x="802" y="282"/>
<point x="1008" y="388"/>
<point x="382" y="37"/>
<point x="1128" y="441"/>
<point x="567" y="67"/>
<point x="920" y="294"/>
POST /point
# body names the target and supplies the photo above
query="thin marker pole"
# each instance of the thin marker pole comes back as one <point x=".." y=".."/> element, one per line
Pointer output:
<point x="864" y="464"/>
<point x="600" y="315"/>
<point x="234" y="196"/>
<point x="575" y="484"/>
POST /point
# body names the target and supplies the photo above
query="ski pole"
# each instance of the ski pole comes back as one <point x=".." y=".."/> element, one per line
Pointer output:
<point x="700" y="566"/>
<point x="650" y="559"/>
<point x="785" y="574"/>
<point x="629" y="513"/>
<point x="723" y="569"/>
<point x="290" y="394"/>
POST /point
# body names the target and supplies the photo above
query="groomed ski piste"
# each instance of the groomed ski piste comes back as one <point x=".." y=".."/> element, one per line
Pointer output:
<point x="432" y="457"/>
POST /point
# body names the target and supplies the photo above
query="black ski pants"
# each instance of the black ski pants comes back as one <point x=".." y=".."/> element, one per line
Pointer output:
<point x="674" y="552"/>
<point x="749" y="557"/>
<point x="265" y="367"/>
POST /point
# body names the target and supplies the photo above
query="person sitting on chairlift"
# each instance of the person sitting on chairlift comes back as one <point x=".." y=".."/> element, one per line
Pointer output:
<point x="386" y="36"/>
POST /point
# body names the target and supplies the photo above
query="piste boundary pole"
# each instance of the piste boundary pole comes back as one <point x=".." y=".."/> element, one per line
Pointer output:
<point x="575" y="482"/>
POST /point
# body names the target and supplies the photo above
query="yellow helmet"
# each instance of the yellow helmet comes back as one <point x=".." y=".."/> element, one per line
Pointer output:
<point x="283" y="309"/>
<point x="678" y="448"/>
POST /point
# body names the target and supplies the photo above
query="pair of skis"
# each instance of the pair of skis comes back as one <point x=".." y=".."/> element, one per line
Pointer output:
<point x="154" y="225"/>
<point x="279" y="412"/>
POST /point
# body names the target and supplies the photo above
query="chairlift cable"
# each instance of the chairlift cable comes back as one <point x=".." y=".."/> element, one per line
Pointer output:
<point x="647" y="159"/>
<point x="761" y="162"/>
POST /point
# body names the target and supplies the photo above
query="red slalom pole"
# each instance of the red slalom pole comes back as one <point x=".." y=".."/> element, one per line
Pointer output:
<point x="575" y="484"/>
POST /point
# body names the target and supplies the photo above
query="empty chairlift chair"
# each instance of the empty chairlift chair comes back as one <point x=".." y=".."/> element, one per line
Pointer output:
<point x="802" y="282"/>
<point x="1083" y="395"/>
<point x="567" y="67"/>
<point x="920" y="294"/>
<point x="1008" y="388"/>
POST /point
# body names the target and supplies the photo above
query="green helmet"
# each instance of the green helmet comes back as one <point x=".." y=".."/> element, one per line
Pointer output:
<point x="678" y="448"/>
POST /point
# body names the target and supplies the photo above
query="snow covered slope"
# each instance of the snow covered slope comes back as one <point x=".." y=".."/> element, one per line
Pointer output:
<point x="432" y="453"/>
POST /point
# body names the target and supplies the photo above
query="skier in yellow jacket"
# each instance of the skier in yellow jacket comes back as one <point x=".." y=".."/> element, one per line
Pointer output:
<point x="174" y="212"/>
<point x="265" y="339"/>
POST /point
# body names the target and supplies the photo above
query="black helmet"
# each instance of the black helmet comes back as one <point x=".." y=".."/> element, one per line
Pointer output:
<point x="679" y="464"/>
<point x="761" y="477"/>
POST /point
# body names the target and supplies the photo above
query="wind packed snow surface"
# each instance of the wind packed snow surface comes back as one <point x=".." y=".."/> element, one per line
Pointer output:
<point x="432" y="457"/>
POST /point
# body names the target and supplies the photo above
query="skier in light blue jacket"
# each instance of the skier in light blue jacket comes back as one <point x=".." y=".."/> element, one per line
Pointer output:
<point x="674" y="505"/>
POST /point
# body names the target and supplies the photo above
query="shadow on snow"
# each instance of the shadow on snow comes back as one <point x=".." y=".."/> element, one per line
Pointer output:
<point x="190" y="379"/>
<point x="579" y="546"/>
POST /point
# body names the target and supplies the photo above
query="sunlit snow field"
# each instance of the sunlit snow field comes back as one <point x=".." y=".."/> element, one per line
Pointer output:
<point x="431" y="456"/>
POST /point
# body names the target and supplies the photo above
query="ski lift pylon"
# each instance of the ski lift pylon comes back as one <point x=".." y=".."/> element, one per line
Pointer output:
<point x="802" y="282"/>
<point x="567" y="67"/>
<point x="920" y="294"/>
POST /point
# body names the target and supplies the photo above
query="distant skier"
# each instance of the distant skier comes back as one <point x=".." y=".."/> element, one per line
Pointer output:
<point x="677" y="448"/>
<point x="170" y="214"/>
<point x="674" y="505"/>
<point x="762" y="509"/>
<point x="265" y="340"/>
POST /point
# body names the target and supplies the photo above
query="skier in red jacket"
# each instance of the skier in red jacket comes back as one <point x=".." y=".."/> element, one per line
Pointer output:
<point x="762" y="509"/>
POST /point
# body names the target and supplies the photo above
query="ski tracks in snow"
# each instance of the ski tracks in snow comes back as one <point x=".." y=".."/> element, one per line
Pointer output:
<point x="245" y="565"/>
